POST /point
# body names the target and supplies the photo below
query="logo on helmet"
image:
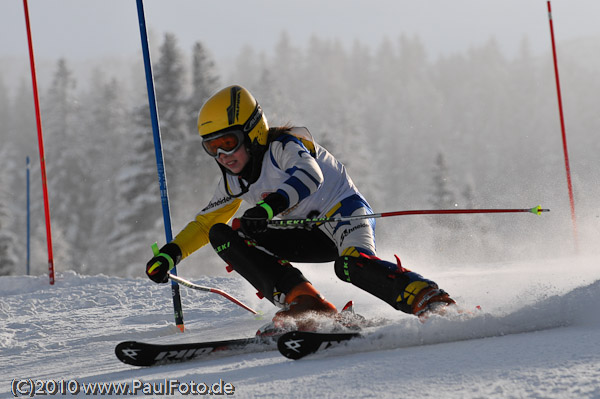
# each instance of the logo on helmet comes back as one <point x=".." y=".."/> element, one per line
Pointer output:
<point x="254" y="119"/>
<point x="233" y="111"/>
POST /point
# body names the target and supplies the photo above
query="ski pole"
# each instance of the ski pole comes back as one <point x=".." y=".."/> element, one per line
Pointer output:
<point x="158" y="154"/>
<point x="300" y="222"/>
<point x="189" y="284"/>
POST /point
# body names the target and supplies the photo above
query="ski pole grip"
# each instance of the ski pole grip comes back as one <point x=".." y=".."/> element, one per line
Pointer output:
<point x="156" y="252"/>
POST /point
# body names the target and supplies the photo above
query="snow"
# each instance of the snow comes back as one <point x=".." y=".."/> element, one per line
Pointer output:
<point x="534" y="340"/>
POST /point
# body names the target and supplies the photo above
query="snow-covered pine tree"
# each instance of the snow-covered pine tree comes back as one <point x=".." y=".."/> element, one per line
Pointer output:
<point x="205" y="81"/>
<point x="9" y="259"/>
<point x="5" y="107"/>
<point x="137" y="221"/>
<point x="23" y="120"/>
<point x="171" y="97"/>
<point x="479" y="240"/>
<point x="11" y="190"/>
<point x="443" y="196"/>
<point x="107" y="127"/>
<point x="169" y="80"/>
<point x="68" y="168"/>
<point x="196" y="168"/>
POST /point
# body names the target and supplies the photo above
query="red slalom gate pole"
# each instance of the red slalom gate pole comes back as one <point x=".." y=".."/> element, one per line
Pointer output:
<point x="562" y="127"/>
<point x="38" y="120"/>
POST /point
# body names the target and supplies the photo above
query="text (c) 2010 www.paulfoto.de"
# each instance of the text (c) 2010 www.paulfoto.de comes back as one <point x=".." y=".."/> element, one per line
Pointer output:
<point x="166" y="387"/>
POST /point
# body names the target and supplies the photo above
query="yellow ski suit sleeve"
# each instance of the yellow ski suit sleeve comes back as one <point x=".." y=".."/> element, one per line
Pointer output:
<point x="195" y="234"/>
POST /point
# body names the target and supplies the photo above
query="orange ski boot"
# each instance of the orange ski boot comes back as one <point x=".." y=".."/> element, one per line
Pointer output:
<point x="431" y="300"/>
<point x="304" y="305"/>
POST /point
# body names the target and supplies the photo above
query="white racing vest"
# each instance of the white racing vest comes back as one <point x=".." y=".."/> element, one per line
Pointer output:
<point x="318" y="180"/>
<point x="311" y="178"/>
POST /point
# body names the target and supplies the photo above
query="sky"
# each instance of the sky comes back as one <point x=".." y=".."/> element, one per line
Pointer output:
<point x="86" y="29"/>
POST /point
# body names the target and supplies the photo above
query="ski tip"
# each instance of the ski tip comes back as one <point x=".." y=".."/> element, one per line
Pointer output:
<point x="293" y="346"/>
<point x="127" y="353"/>
<point x="181" y="327"/>
<point x="298" y="344"/>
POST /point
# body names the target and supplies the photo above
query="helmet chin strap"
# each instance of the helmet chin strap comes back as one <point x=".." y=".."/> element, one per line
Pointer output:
<point x="244" y="187"/>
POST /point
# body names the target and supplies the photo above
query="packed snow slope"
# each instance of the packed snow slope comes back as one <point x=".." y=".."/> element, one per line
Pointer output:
<point x="537" y="336"/>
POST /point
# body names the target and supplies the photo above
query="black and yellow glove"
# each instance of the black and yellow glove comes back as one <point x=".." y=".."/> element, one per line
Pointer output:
<point x="158" y="267"/>
<point x="254" y="221"/>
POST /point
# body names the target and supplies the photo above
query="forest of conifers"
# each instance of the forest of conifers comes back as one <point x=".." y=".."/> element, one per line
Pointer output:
<point x="476" y="129"/>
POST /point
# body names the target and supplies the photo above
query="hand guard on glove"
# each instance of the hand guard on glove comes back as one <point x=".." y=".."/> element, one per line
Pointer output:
<point x="158" y="267"/>
<point x="254" y="221"/>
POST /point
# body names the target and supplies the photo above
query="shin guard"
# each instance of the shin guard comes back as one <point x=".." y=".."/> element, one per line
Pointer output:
<point x="387" y="281"/>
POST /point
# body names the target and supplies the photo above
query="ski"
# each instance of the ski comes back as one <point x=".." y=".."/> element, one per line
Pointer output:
<point x="142" y="354"/>
<point x="297" y="344"/>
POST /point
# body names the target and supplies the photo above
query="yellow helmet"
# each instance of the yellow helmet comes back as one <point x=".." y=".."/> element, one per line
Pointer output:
<point x="233" y="108"/>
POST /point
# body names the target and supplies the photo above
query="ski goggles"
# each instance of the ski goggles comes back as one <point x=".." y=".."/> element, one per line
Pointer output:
<point x="223" y="143"/>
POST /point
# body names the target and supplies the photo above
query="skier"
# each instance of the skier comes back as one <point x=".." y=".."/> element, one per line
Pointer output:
<point x="281" y="171"/>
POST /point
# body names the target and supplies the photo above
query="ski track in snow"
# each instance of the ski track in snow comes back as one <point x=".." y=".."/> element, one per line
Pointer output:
<point x="537" y="340"/>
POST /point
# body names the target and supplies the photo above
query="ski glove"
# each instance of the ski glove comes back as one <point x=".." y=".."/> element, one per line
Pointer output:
<point x="254" y="221"/>
<point x="158" y="267"/>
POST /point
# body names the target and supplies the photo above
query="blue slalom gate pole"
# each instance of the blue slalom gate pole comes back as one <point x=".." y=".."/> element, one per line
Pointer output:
<point x="28" y="222"/>
<point x="160" y="164"/>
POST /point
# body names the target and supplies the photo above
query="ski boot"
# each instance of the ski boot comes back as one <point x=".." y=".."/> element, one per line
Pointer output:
<point x="431" y="300"/>
<point x="403" y="289"/>
<point x="303" y="309"/>
<point x="304" y="304"/>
